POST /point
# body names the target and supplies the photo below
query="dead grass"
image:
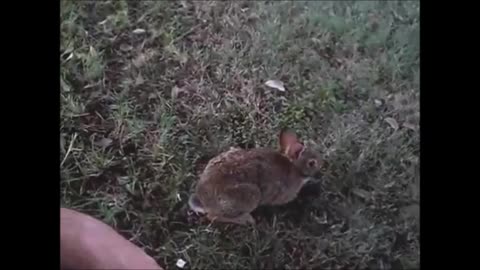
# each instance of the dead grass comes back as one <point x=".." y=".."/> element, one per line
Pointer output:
<point x="152" y="89"/>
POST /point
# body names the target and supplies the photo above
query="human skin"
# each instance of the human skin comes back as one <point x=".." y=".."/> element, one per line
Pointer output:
<point x="88" y="243"/>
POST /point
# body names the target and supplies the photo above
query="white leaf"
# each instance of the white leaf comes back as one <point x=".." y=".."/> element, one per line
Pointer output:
<point x="125" y="47"/>
<point x="69" y="57"/>
<point x="409" y="126"/>
<point x="389" y="185"/>
<point x="103" y="22"/>
<point x="361" y="193"/>
<point x="140" y="60"/>
<point x="104" y="142"/>
<point x="93" y="52"/>
<point x="139" y="31"/>
<point x="180" y="263"/>
<point x="275" y="84"/>
<point x="392" y="122"/>
<point x="64" y="85"/>
<point x="176" y="91"/>
<point x="411" y="211"/>
<point x="139" y="80"/>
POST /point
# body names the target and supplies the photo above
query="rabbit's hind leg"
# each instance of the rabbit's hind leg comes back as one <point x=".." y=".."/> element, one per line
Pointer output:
<point x="237" y="202"/>
<point x="244" y="219"/>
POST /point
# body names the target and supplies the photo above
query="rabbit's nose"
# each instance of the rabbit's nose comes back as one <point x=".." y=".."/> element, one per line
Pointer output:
<point x="312" y="180"/>
<point x="317" y="176"/>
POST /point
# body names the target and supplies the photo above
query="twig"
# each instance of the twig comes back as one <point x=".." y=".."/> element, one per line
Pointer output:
<point x="69" y="149"/>
<point x="186" y="33"/>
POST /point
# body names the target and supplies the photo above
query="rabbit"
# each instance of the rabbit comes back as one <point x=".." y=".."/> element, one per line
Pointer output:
<point x="237" y="181"/>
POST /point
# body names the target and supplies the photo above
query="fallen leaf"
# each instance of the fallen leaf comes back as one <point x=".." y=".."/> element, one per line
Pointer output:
<point x="104" y="142"/>
<point x="409" y="126"/>
<point x="152" y="95"/>
<point x="378" y="102"/>
<point x="363" y="248"/>
<point x="143" y="58"/>
<point x="362" y="193"/>
<point x="125" y="47"/>
<point x="322" y="245"/>
<point x="123" y="180"/>
<point x="389" y="185"/>
<point x="392" y="122"/>
<point x="176" y="91"/>
<point x="139" y="60"/>
<point x="275" y="84"/>
<point x="415" y="190"/>
<point x="92" y="52"/>
<point x="139" y="31"/>
<point x="64" y="85"/>
<point x="62" y="144"/>
<point x="103" y="22"/>
<point x="180" y="263"/>
<point x="69" y="57"/>
<point x="139" y="80"/>
<point x="411" y="211"/>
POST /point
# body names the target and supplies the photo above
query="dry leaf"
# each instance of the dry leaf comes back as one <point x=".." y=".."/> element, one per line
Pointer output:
<point x="389" y="185"/>
<point x="409" y="126"/>
<point x="176" y="91"/>
<point x="65" y="87"/>
<point x="139" y="80"/>
<point x="139" y="60"/>
<point x="125" y="47"/>
<point x="378" y="102"/>
<point x="143" y="58"/>
<point x="392" y="122"/>
<point x="62" y="144"/>
<point x="362" y="193"/>
<point x="103" y="22"/>
<point x="415" y="190"/>
<point x="411" y="211"/>
<point x="69" y="57"/>
<point x="139" y="31"/>
<point x="275" y="84"/>
<point x="104" y="142"/>
<point x="180" y="263"/>
<point x="182" y="58"/>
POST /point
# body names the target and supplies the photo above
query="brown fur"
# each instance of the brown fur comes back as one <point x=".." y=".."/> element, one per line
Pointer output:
<point x="87" y="243"/>
<point x="237" y="181"/>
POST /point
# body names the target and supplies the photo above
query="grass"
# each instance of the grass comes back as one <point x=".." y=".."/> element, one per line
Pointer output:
<point x="150" y="90"/>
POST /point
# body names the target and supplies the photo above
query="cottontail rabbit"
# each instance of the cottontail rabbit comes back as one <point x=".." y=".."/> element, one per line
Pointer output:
<point x="237" y="181"/>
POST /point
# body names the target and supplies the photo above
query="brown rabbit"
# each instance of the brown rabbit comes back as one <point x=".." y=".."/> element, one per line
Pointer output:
<point x="237" y="181"/>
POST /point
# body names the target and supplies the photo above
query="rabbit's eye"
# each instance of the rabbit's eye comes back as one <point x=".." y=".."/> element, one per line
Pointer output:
<point x="312" y="163"/>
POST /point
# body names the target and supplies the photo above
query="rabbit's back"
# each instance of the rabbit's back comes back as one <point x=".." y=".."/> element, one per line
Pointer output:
<point x="270" y="172"/>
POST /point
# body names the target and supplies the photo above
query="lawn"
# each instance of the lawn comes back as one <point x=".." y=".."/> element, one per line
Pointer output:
<point x="151" y="90"/>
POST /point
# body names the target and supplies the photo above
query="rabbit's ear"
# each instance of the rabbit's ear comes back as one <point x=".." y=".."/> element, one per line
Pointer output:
<point x="290" y="145"/>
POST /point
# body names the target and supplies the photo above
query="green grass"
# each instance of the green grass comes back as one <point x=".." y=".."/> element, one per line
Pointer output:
<point x="142" y="111"/>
